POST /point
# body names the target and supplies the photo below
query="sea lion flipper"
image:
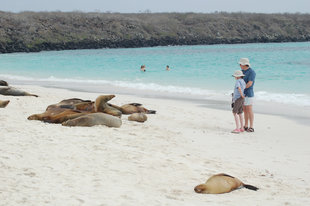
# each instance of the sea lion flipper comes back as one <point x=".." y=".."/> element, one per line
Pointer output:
<point x="135" y="104"/>
<point x="67" y="106"/>
<point x="4" y="103"/>
<point x="250" y="187"/>
<point x="151" y="112"/>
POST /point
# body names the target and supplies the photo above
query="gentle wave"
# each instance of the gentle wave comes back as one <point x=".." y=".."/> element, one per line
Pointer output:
<point x="124" y="84"/>
<point x="284" y="98"/>
<point x="288" y="98"/>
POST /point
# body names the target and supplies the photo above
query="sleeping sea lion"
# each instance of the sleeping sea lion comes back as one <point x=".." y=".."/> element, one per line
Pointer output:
<point x="138" y="117"/>
<point x="57" y="115"/>
<point x="4" y="103"/>
<point x="221" y="183"/>
<point x="102" y="106"/>
<point x="133" y="108"/>
<point x="74" y="103"/>
<point x="64" y="110"/>
<point x="7" y="90"/>
<point x="93" y="119"/>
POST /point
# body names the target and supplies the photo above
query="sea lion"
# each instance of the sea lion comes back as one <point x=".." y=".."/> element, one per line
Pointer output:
<point x="138" y="117"/>
<point x="102" y="106"/>
<point x="3" y="83"/>
<point x="93" y="119"/>
<point x="133" y="108"/>
<point x="222" y="183"/>
<point x="64" y="110"/>
<point x="8" y="90"/>
<point x="57" y="115"/>
<point x="74" y="103"/>
<point x="4" y="103"/>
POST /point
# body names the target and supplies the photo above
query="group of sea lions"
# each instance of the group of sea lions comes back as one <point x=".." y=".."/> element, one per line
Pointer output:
<point x="78" y="112"/>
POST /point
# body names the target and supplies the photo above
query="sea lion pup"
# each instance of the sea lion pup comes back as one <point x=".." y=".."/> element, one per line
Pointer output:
<point x="138" y="117"/>
<point x="93" y="119"/>
<point x="3" y="83"/>
<point x="133" y="108"/>
<point x="222" y="183"/>
<point x="102" y="106"/>
<point x="8" y="90"/>
<point x="4" y="103"/>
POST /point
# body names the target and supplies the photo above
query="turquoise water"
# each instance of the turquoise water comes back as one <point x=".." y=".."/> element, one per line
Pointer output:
<point x="283" y="69"/>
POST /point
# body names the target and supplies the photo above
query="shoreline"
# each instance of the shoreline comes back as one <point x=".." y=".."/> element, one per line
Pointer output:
<point x="158" y="162"/>
<point x="261" y="107"/>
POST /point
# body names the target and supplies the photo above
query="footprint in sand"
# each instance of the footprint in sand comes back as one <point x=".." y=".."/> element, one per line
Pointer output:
<point x="30" y="174"/>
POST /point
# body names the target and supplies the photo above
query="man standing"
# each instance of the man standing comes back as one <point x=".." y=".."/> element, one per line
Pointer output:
<point x="249" y="78"/>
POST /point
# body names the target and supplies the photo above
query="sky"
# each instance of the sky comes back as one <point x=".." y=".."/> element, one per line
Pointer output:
<point x="136" y="6"/>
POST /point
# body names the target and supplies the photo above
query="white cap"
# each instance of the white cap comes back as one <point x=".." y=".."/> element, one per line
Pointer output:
<point x="238" y="73"/>
<point x="244" y="61"/>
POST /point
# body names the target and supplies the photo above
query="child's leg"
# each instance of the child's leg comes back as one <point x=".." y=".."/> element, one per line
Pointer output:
<point x="236" y="116"/>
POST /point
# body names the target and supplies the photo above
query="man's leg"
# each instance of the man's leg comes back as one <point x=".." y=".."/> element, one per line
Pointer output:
<point x="250" y="115"/>
<point x="246" y="116"/>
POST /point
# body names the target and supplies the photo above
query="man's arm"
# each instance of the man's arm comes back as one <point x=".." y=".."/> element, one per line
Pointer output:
<point x="249" y="84"/>
<point x="250" y="79"/>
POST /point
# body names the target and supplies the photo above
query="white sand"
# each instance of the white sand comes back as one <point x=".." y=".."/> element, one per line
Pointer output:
<point x="158" y="162"/>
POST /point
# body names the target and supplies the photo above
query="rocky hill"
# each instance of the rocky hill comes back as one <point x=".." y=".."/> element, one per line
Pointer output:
<point x="37" y="31"/>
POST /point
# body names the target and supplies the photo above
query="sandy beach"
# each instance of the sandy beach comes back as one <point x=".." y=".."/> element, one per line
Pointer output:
<point x="158" y="162"/>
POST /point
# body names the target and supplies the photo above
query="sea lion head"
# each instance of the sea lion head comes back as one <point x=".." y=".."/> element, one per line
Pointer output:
<point x="33" y="117"/>
<point x="100" y="102"/>
<point x="201" y="189"/>
<point x="3" y="83"/>
<point x="105" y="98"/>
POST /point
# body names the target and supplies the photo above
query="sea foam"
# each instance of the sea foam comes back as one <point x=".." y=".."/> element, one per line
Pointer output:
<point x="284" y="98"/>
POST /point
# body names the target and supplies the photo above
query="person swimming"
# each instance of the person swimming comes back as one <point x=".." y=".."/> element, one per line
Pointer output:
<point x="142" y="68"/>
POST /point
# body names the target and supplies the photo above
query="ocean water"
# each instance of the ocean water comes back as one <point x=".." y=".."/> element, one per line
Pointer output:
<point x="282" y="70"/>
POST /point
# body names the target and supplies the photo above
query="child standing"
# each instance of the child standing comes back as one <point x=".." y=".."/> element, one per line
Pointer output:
<point x="238" y="100"/>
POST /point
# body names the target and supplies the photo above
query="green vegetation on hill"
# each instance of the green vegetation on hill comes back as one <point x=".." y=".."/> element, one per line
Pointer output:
<point x="37" y="31"/>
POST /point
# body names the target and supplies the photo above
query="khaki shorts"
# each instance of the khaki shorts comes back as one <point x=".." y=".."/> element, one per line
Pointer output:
<point x="248" y="101"/>
<point x="238" y="106"/>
